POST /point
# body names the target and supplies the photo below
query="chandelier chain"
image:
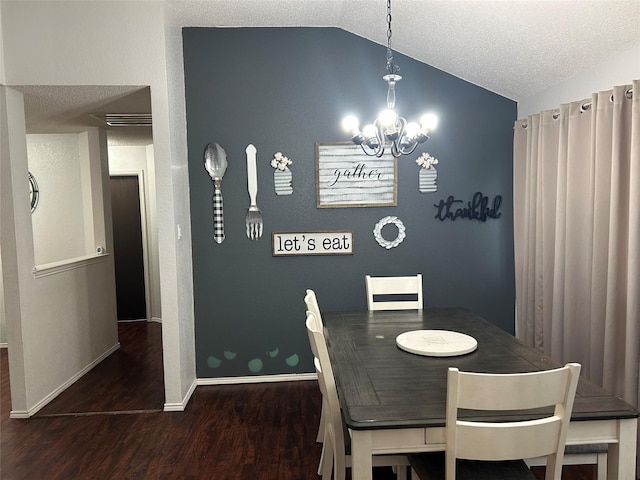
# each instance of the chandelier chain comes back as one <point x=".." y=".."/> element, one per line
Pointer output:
<point x="389" y="131"/>
<point x="391" y="67"/>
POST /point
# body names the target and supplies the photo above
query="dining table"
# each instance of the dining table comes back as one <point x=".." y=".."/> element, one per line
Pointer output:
<point x="393" y="400"/>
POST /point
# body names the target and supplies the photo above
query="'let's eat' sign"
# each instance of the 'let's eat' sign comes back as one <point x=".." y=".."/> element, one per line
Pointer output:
<point x="286" y="244"/>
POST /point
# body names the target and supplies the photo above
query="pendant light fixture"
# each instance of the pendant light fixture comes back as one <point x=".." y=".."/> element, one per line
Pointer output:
<point x="390" y="129"/>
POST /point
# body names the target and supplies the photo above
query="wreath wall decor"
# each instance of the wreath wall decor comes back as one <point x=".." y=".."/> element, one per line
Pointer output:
<point x="388" y="244"/>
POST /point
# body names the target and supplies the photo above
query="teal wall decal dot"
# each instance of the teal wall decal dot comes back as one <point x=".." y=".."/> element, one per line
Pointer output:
<point x="229" y="355"/>
<point x="255" y="365"/>
<point x="292" y="360"/>
<point x="213" y="362"/>
<point x="273" y="353"/>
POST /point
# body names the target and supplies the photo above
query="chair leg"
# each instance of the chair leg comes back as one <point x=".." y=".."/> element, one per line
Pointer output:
<point x="339" y="467"/>
<point x="320" y="436"/>
<point x="601" y="466"/>
<point x="325" y="466"/>
<point x="321" y="467"/>
<point x="400" y="471"/>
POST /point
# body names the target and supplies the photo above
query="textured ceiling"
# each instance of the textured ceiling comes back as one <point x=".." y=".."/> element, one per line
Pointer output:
<point x="515" y="48"/>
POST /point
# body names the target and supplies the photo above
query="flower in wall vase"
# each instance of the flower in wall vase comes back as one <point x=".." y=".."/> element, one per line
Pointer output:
<point x="428" y="173"/>
<point x="282" y="177"/>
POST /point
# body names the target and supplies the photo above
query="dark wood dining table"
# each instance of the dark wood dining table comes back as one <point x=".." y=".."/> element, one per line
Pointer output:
<point x="393" y="401"/>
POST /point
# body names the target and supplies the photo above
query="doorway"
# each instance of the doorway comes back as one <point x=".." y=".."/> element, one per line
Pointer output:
<point x="127" y="208"/>
<point x="85" y="107"/>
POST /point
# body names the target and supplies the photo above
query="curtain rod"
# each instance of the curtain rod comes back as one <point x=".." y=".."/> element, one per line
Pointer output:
<point x="587" y="105"/>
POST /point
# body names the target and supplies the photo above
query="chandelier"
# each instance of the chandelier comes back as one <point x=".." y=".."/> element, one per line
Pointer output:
<point x="390" y="128"/>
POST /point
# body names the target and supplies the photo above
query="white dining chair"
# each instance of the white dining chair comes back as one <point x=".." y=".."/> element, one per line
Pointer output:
<point x="487" y="448"/>
<point x="336" y="446"/>
<point x="394" y="293"/>
<point x="311" y="301"/>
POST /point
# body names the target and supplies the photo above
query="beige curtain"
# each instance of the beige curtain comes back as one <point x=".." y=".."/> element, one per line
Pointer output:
<point x="577" y="235"/>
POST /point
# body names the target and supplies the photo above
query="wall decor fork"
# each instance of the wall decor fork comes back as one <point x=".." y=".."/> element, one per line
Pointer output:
<point x="254" y="215"/>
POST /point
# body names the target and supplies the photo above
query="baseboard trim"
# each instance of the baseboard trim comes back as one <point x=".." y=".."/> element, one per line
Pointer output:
<point x="38" y="406"/>
<point x="180" y="406"/>
<point x="4" y="345"/>
<point x="156" y="319"/>
<point x="258" y="379"/>
<point x="19" y="414"/>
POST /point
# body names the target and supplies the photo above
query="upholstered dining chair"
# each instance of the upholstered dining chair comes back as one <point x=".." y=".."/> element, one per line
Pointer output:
<point x="485" y="449"/>
<point x="390" y="293"/>
<point x="336" y="446"/>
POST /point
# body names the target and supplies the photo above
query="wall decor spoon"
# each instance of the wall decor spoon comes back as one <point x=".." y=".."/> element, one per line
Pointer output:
<point x="215" y="162"/>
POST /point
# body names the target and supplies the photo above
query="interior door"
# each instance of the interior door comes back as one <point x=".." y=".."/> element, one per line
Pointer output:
<point x="128" y="249"/>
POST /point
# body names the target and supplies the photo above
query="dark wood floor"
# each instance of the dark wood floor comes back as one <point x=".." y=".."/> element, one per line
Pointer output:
<point x="255" y="431"/>
<point x="129" y="380"/>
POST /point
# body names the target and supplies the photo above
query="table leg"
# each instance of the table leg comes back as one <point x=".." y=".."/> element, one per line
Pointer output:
<point x="361" y="465"/>
<point x="621" y="458"/>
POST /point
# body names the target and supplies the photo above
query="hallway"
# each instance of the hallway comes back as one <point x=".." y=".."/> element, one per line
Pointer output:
<point x="130" y="380"/>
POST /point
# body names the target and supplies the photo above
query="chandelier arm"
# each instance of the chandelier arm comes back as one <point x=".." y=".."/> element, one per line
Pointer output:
<point x="371" y="151"/>
<point x="378" y="149"/>
<point x="401" y="125"/>
<point x="364" y="149"/>
<point x="404" y="151"/>
<point x="381" y="139"/>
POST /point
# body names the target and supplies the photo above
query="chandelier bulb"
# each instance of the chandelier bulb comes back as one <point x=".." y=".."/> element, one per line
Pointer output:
<point x="388" y="118"/>
<point x="369" y="131"/>
<point x="428" y="122"/>
<point x="350" y="123"/>
<point x="413" y="129"/>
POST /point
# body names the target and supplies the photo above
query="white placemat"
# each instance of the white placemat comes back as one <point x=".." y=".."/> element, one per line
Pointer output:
<point x="436" y="343"/>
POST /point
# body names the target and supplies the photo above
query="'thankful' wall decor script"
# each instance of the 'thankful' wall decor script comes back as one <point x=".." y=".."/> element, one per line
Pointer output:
<point x="346" y="177"/>
<point x="478" y="208"/>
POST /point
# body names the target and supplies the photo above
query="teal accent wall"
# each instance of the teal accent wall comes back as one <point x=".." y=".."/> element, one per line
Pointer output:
<point x="283" y="90"/>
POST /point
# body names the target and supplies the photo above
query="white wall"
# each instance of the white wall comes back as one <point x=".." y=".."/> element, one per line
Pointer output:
<point x="3" y="322"/>
<point x="2" y="76"/>
<point x="3" y="328"/>
<point x="133" y="159"/>
<point x="123" y="43"/>
<point x="619" y="69"/>
<point x="59" y="219"/>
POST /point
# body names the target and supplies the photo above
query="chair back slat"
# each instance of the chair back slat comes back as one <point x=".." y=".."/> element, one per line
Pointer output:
<point x="388" y="287"/>
<point x="510" y="441"/>
<point x="521" y="391"/>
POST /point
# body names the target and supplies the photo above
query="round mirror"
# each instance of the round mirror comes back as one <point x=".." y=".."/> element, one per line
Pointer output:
<point x="34" y="193"/>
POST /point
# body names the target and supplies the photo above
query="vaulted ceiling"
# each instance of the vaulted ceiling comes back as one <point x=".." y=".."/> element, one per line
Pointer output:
<point x="515" y="48"/>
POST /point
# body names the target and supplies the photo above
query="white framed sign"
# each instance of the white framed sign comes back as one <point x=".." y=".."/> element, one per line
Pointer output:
<point x="347" y="177"/>
<point x="287" y="244"/>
